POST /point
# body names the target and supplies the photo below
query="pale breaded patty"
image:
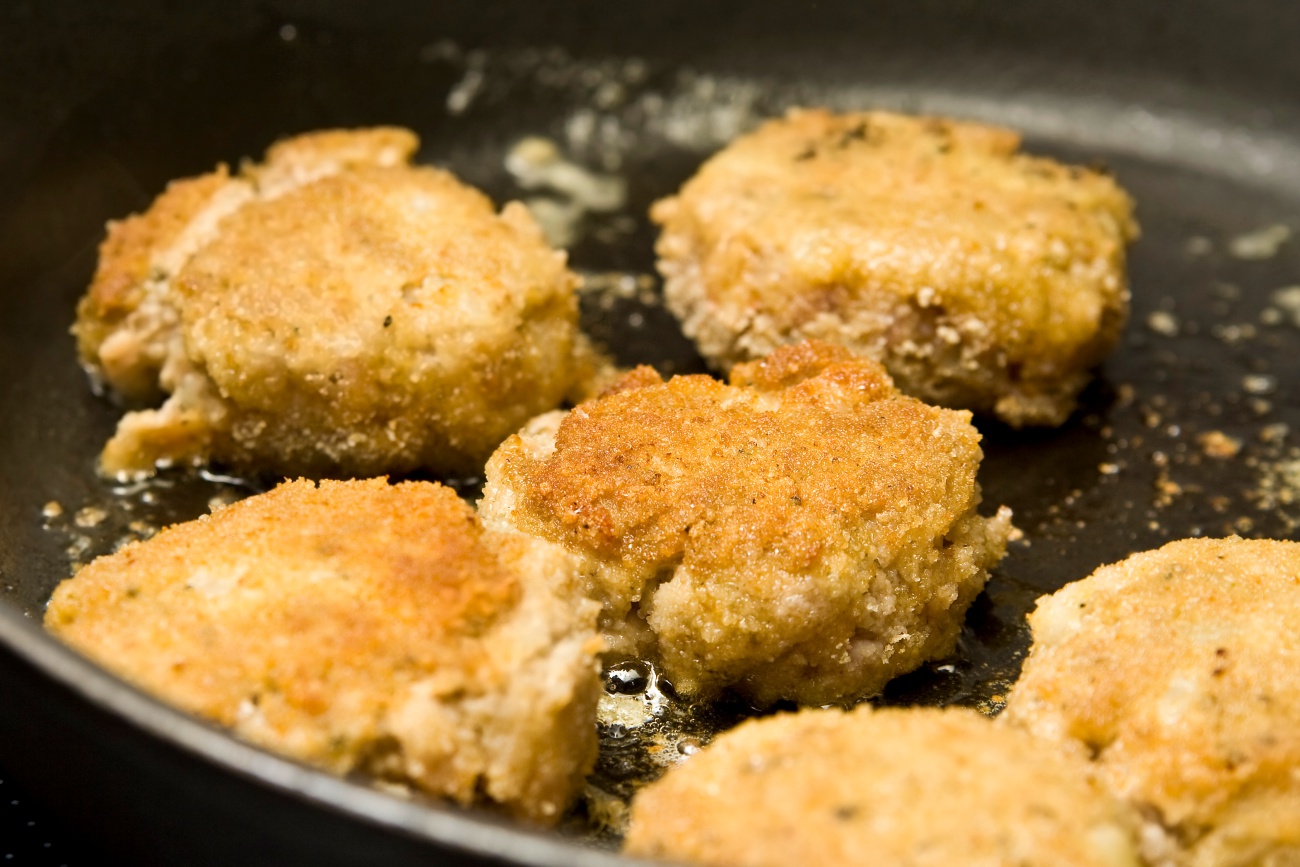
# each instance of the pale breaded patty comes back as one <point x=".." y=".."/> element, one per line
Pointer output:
<point x="1177" y="671"/>
<point x="331" y="311"/>
<point x="888" y="788"/>
<point x="803" y="533"/>
<point x="981" y="277"/>
<point x="361" y="627"/>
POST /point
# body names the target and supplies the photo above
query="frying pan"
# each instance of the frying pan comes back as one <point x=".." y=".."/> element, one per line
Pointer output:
<point x="1195" y="105"/>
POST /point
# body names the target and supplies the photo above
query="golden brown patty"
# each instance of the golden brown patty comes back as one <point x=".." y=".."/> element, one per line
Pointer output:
<point x="890" y="788"/>
<point x="360" y="627"/>
<point x="803" y="533"/>
<point x="981" y="277"/>
<point x="332" y="311"/>
<point x="1177" y="672"/>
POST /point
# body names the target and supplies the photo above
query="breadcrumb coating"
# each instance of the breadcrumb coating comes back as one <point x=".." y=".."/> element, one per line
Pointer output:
<point x="1177" y="673"/>
<point x="804" y="533"/>
<point x="361" y="627"/>
<point x="981" y="277"/>
<point x="890" y="788"/>
<point x="333" y="311"/>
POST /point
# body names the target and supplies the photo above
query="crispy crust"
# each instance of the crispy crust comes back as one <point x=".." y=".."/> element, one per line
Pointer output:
<point x="922" y="788"/>
<point x="331" y="311"/>
<point x="125" y="263"/>
<point x="805" y="532"/>
<point x="360" y="626"/>
<point x="981" y="277"/>
<point x="1176" y="672"/>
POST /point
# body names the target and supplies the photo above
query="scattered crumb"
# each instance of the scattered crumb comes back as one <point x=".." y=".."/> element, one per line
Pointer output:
<point x="572" y="190"/>
<point x="1279" y="483"/>
<point x="1286" y="301"/>
<point x="1235" y="333"/>
<point x="393" y="788"/>
<point x="1274" y="433"/>
<point x="536" y="164"/>
<point x="612" y="286"/>
<point x="631" y="711"/>
<point x="90" y="516"/>
<point x="1259" y="383"/>
<point x="1260" y="244"/>
<point x="80" y="545"/>
<point x="1216" y="444"/>
<point x="993" y="705"/>
<point x="606" y="812"/>
<point x="1166" y="488"/>
<point x="463" y="92"/>
<point x="1164" y="323"/>
<point x="51" y="510"/>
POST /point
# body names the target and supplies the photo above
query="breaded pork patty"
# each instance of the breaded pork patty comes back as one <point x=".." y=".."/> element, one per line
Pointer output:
<point x="361" y="627"/>
<point x="332" y="311"/>
<point x="805" y="532"/>
<point x="981" y="277"/>
<point x="889" y="788"/>
<point x="1177" y="672"/>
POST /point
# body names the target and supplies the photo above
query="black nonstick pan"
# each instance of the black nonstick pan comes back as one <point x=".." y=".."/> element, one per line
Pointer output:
<point x="1191" y="428"/>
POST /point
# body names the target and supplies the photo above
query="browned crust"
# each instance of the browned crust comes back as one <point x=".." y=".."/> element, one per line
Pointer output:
<point x="1177" y="672"/>
<point x="126" y="253"/>
<point x="805" y="532"/>
<point x="361" y="627"/>
<point x="334" y="311"/>
<point x="637" y="472"/>
<point x="890" y="788"/>
<point x="982" y="277"/>
<point x="413" y="553"/>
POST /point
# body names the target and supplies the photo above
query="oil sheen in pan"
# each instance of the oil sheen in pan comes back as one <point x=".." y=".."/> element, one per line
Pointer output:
<point x="1188" y="430"/>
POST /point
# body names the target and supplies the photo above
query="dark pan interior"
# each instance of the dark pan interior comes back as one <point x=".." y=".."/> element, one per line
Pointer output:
<point x="1188" y="429"/>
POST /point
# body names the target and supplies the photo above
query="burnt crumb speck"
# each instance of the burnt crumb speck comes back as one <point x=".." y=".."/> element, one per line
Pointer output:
<point x="388" y="321"/>
<point x="859" y="132"/>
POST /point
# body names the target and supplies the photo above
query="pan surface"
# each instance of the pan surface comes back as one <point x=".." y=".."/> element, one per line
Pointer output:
<point x="1191" y="427"/>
